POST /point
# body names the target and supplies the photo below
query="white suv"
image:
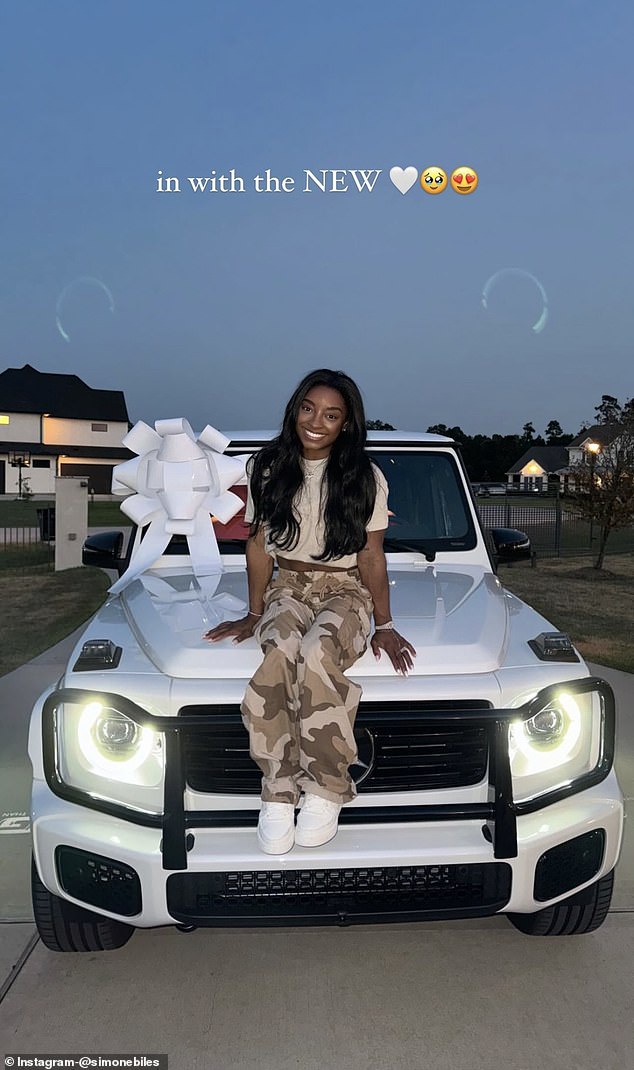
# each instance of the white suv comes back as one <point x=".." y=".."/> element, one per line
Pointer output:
<point x="485" y="778"/>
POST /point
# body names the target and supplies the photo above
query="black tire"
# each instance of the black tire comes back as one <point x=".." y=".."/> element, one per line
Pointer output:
<point x="65" y="927"/>
<point x="582" y="913"/>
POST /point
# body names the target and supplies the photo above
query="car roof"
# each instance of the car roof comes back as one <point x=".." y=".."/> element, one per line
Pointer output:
<point x="377" y="438"/>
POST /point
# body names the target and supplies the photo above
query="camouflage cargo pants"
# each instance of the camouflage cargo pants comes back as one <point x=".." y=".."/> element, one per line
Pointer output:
<point x="299" y="707"/>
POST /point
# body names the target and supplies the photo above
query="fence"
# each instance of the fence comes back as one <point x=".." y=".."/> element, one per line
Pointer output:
<point x="24" y="546"/>
<point x="554" y="531"/>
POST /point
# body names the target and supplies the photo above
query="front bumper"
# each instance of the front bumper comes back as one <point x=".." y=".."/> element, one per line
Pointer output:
<point x="418" y="870"/>
<point x="496" y="805"/>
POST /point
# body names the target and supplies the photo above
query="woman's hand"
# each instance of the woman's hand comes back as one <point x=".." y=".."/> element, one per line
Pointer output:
<point x="242" y="629"/>
<point x="398" y="650"/>
<point x="373" y="570"/>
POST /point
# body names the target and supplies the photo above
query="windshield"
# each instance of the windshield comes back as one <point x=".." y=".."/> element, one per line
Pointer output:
<point x="427" y="502"/>
<point x="428" y="507"/>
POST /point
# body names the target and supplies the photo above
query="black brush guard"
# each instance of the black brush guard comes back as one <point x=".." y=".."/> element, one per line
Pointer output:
<point x="498" y="814"/>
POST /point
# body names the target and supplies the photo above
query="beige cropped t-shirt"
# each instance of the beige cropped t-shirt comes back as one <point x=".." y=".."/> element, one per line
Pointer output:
<point x="311" y="525"/>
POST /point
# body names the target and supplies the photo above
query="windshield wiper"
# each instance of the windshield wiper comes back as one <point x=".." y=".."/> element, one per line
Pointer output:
<point x="398" y="544"/>
<point x="389" y="544"/>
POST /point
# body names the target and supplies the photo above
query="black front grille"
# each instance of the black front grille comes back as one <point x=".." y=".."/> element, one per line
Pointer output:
<point x="339" y="896"/>
<point x="397" y="752"/>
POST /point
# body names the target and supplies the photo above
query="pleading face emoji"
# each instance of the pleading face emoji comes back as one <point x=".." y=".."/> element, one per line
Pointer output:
<point x="464" y="180"/>
<point x="433" y="180"/>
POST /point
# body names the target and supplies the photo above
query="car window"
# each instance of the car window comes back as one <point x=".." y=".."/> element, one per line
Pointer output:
<point x="427" y="502"/>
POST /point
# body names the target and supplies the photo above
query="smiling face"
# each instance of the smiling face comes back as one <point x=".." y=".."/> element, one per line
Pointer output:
<point x="320" y="420"/>
<point x="433" y="180"/>
<point x="464" y="179"/>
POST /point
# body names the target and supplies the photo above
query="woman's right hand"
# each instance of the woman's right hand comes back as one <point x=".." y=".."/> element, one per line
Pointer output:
<point x="241" y="629"/>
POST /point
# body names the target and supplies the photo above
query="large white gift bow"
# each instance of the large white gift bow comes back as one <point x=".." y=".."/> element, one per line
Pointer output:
<point x="213" y="608"/>
<point x="179" y="481"/>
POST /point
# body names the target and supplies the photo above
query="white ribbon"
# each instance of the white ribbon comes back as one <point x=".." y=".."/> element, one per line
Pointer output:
<point x="179" y="481"/>
<point x="213" y="608"/>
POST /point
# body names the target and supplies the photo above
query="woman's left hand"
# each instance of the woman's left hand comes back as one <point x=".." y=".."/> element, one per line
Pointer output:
<point x="398" y="650"/>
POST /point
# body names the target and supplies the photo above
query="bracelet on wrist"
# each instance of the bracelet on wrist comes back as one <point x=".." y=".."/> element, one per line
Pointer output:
<point x="252" y="614"/>
<point x="387" y="627"/>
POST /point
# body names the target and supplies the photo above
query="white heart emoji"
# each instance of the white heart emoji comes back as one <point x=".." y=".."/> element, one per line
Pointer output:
<point x="403" y="179"/>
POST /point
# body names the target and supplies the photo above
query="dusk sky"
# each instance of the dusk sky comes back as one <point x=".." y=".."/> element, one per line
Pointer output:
<point x="212" y="305"/>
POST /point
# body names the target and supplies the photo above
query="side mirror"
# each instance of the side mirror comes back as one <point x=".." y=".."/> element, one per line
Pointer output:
<point x="511" y="544"/>
<point x="104" y="550"/>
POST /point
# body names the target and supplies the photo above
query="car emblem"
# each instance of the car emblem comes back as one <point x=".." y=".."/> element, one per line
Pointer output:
<point x="361" y="768"/>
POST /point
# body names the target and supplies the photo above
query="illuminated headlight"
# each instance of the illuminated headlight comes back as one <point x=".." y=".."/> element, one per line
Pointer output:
<point x="110" y="756"/>
<point x="556" y="745"/>
<point x="112" y="741"/>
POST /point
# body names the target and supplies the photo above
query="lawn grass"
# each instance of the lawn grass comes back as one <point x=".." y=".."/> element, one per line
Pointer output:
<point x="41" y="607"/>
<point x="107" y="514"/>
<point x="539" y="521"/>
<point x="596" y="608"/>
<point x="19" y="514"/>
<point x="528" y="501"/>
<point x="25" y="556"/>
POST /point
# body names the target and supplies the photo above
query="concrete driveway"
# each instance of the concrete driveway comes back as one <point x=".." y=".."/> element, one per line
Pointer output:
<point x="470" y="995"/>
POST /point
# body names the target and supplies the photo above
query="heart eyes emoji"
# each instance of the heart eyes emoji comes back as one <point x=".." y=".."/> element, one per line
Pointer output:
<point x="464" y="180"/>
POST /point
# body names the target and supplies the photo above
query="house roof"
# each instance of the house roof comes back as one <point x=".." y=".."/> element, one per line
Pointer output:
<point x="601" y="433"/>
<point x="550" y="458"/>
<point x="66" y="396"/>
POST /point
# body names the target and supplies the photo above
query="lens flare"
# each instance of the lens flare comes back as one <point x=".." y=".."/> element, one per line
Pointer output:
<point x="517" y="273"/>
<point x="83" y="280"/>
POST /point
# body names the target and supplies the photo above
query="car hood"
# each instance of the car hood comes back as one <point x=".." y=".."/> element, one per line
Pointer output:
<point x="458" y="621"/>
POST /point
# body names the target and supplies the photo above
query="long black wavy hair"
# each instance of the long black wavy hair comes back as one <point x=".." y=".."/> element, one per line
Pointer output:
<point x="276" y="475"/>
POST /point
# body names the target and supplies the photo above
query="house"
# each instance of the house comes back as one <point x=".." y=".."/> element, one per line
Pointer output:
<point x="56" y="425"/>
<point x="587" y="449"/>
<point x="586" y="443"/>
<point x="541" y="466"/>
<point x="537" y="467"/>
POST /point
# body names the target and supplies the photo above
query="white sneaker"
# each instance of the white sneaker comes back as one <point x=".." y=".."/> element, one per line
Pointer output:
<point x="317" y="821"/>
<point x="276" y="827"/>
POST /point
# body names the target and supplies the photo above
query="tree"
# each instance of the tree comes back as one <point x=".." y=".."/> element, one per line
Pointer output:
<point x="529" y="437"/>
<point x="456" y="433"/>
<point x="609" y="411"/>
<point x="486" y="457"/>
<point x="555" y="436"/>
<point x="378" y="425"/>
<point x="604" y="480"/>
